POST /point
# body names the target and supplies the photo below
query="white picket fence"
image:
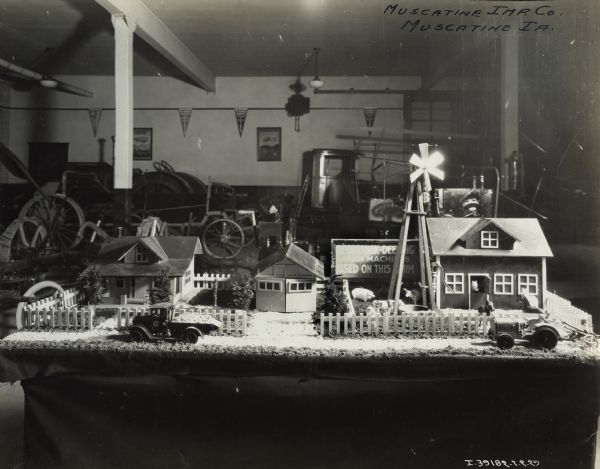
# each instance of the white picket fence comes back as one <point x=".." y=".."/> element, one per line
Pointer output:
<point x="469" y="323"/>
<point x="207" y="281"/>
<point x="69" y="299"/>
<point x="234" y="321"/>
<point x="59" y="318"/>
<point x="562" y="309"/>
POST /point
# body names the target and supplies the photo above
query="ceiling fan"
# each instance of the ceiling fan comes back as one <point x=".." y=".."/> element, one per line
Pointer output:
<point x="23" y="79"/>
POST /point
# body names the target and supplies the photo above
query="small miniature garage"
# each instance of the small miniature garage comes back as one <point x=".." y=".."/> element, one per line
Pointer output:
<point x="287" y="281"/>
<point x="495" y="257"/>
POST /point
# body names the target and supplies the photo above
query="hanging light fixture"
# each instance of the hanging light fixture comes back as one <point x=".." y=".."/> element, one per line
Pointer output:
<point x="48" y="82"/>
<point x="316" y="83"/>
<point x="297" y="105"/>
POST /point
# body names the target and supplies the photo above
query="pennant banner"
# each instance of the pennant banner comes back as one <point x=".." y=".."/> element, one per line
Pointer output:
<point x="95" y="114"/>
<point x="370" y="113"/>
<point x="185" y="115"/>
<point x="240" y="117"/>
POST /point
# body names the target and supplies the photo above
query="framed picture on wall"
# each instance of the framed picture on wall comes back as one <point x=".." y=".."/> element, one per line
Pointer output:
<point x="142" y="143"/>
<point x="269" y="143"/>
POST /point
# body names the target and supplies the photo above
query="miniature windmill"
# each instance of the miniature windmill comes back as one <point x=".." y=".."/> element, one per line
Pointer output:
<point x="425" y="165"/>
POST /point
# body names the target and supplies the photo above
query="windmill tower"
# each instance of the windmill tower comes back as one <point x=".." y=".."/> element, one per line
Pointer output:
<point x="425" y="165"/>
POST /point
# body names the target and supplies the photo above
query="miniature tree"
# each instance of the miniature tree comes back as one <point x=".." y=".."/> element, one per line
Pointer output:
<point x="160" y="291"/>
<point x="331" y="300"/>
<point x="242" y="291"/>
<point x="90" y="285"/>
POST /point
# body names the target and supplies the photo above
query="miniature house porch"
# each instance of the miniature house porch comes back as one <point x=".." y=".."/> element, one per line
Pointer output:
<point x="287" y="281"/>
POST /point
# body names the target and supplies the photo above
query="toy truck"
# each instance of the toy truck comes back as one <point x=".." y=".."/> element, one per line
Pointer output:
<point x="159" y="326"/>
<point x="534" y="328"/>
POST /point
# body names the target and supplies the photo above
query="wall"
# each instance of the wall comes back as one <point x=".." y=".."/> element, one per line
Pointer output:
<point x="53" y="116"/>
<point x="491" y="266"/>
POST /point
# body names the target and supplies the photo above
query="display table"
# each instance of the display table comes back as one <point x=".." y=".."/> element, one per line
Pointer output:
<point x="103" y="409"/>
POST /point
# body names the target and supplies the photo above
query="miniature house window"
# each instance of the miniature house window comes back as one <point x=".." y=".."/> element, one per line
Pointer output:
<point x="503" y="284"/>
<point x="489" y="239"/>
<point x="300" y="286"/>
<point x="455" y="284"/>
<point x="528" y="283"/>
<point x="119" y="282"/>
<point x="269" y="286"/>
<point x="141" y="255"/>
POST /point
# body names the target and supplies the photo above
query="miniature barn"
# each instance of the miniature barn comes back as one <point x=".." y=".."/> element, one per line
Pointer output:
<point x="499" y="257"/>
<point x="131" y="263"/>
<point x="287" y="281"/>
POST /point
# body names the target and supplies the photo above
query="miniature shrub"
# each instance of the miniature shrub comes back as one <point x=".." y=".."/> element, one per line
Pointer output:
<point x="90" y="285"/>
<point x="331" y="300"/>
<point x="160" y="291"/>
<point x="242" y="291"/>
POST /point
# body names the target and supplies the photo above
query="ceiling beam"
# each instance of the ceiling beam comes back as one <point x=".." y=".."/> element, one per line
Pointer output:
<point x="152" y="30"/>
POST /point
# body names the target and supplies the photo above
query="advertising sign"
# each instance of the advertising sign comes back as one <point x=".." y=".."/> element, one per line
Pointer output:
<point x="372" y="258"/>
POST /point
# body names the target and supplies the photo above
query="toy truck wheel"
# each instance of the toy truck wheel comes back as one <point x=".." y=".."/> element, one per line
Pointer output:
<point x="505" y="341"/>
<point x="191" y="336"/>
<point x="545" y="339"/>
<point x="136" y="335"/>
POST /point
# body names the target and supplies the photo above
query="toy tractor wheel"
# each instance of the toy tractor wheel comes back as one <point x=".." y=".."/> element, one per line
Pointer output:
<point x="191" y="336"/>
<point x="136" y="335"/>
<point x="545" y="339"/>
<point x="505" y="341"/>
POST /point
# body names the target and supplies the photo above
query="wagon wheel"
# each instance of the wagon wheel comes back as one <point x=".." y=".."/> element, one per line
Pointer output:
<point x="60" y="217"/>
<point x="247" y="221"/>
<point x="223" y="238"/>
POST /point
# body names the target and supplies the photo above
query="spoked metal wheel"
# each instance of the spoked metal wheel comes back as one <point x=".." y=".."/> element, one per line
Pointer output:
<point x="223" y="238"/>
<point x="247" y="219"/>
<point x="60" y="217"/>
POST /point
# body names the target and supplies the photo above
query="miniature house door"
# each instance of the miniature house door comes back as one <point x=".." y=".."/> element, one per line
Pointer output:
<point x="479" y="288"/>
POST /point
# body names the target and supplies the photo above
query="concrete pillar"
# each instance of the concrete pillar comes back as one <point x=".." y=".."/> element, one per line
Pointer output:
<point x="123" y="166"/>
<point x="509" y="101"/>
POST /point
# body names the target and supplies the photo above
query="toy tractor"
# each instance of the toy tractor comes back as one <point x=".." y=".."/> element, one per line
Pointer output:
<point x="534" y="328"/>
<point x="159" y="326"/>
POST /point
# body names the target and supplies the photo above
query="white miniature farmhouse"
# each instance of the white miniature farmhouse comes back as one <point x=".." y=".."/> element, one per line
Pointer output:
<point x="131" y="263"/>
<point x="287" y="281"/>
<point x="499" y="257"/>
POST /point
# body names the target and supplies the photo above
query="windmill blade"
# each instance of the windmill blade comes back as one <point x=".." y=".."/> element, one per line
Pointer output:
<point x="424" y="150"/>
<point x="416" y="174"/>
<point x="426" y="181"/>
<point x="415" y="160"/>
<point x="436" y="158"/>
<point x="437" y="172"/>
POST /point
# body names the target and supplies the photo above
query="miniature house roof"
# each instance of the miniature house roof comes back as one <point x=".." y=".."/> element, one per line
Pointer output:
<point x="297" y="255"/>
<point x="529" y="239"/>
<point x="486" y="224"/>
<point x="174" y="252"/>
